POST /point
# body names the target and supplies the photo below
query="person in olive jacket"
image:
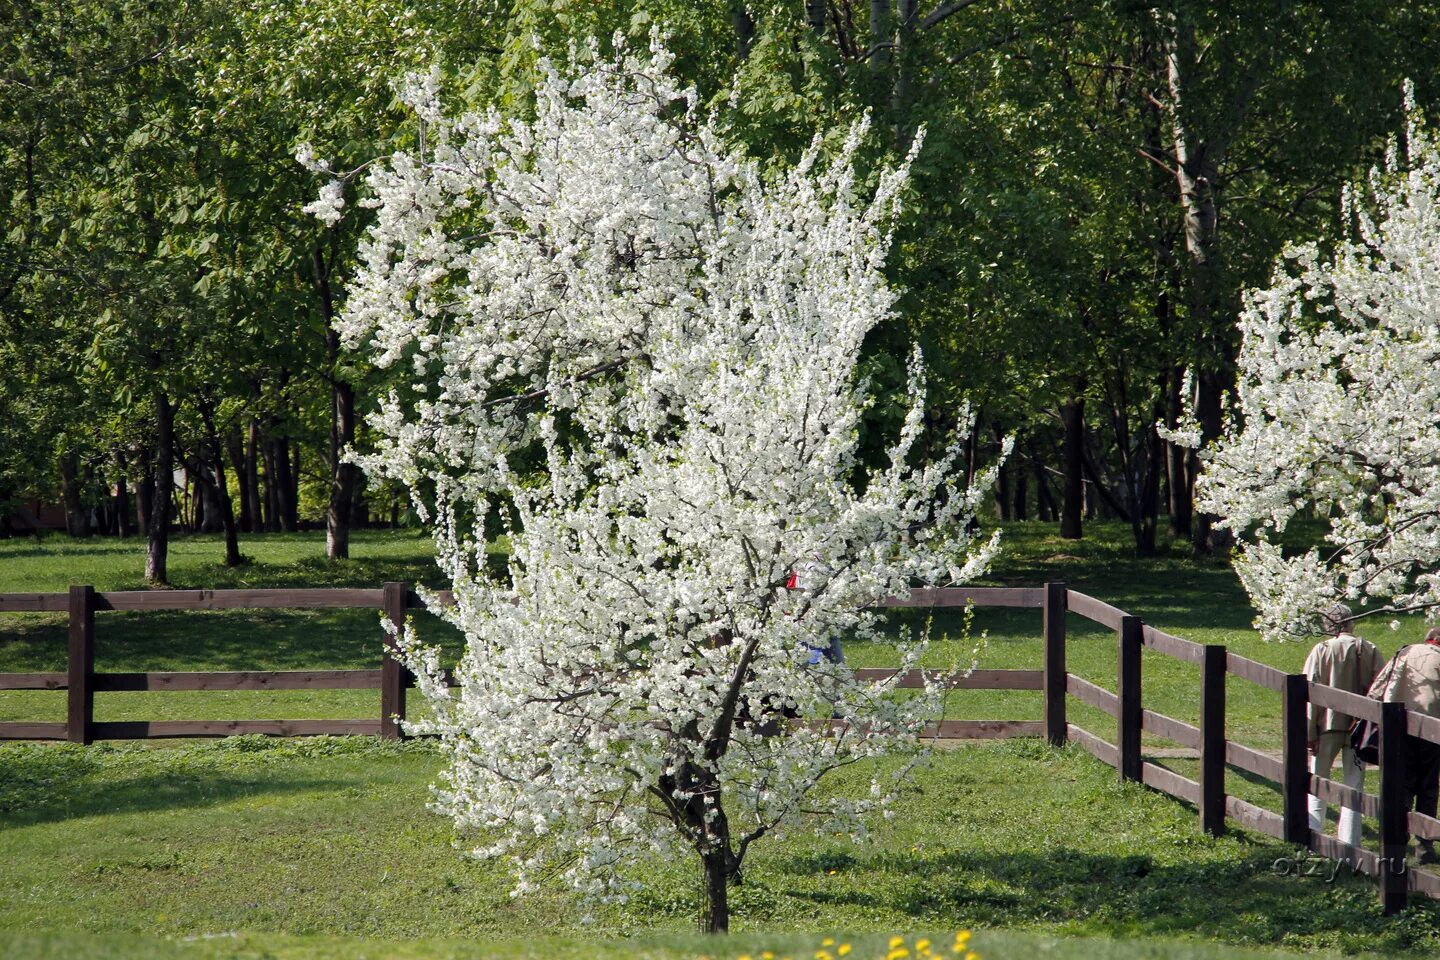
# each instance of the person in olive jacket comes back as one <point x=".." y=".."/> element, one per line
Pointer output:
<point x="1348" y="663"/>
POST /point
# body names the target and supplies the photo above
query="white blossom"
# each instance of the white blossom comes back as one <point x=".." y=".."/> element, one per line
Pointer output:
<point x="1337" y="411"/>
<point x="614" y="329"/>
<point x="329" y="208"/>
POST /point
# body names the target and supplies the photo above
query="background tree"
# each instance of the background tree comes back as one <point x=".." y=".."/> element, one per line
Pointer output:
<point x="1338" y="412"/>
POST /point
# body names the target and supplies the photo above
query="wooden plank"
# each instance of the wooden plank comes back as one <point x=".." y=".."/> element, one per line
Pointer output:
<point x="1171" y="729"/>
<point x="1295" y="758"/>
<point x="51" y="680"/>
<point x="1212" y="740"/>
<point x="1096" y="610"/>
<point x="1332" y="791"/>
<point x="241" y="680"/>
<point x="32" y="731"/>
<point x="985" y="729"/>
<point x="1350" y="704"/>
<point x="1128" y="718"/>
<point x="34" y="602"/>
<point x="965" y="596"/>
<point x="945" y="729"/>
<point x="80" y="698"/>
<point x="1093" y="745"/>
<point x="1253" y="761"/>
<point x="1423" y="882"/>
<point x="1255" y="818"/>
<point x="1168" y="781"/>
<point x="1173" y="646"/>
<point x="316" y="599"/>
<point x="395" y="601"/>
<point x="163" y="729"/>
<point x="1426" y="828"/>
<point x="1345" y="858"/>
<point x="1422" y="726"/>
<point x="978" y="680"/>
<point x="1053" y="630"/>
<point x="1097" y="697"/>
<point x="1394" y="805"/>
<point x="1255" y="672"/>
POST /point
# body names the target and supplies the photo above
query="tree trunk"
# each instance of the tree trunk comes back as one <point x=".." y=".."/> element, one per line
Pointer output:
<point x="1045" y="508"/>
<point x="1002" y="478"/>
<point x="1072" y="416"/>
<point x="235" y="448"/>
<point x="343" y="474"/>
<point x="716" y="918"/>
<point x="744" y="28"/>
<point x="292" y="502"/>
<point x="145" y="493"/>
<point x="77" y="522"/>
<point x="1178" y="487"/>
<point x="158" y="547"/>
<point x="222" y="490"/>
<point x="815" y="15"/>
<point x="1197" y="174"/>
<point x="879" y="37"/>
<point x="1021" y="508"/>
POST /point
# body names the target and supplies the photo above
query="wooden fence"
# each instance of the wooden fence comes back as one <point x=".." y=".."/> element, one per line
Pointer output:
<point x="1055" y="684"/>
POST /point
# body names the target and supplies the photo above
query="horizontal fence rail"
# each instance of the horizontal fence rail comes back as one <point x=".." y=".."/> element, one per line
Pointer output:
<point x="1125" y="706"/>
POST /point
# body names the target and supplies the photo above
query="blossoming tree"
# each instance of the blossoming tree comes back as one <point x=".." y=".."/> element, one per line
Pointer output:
<point x="641" y="350"/>
<point x="1337" y="412"/>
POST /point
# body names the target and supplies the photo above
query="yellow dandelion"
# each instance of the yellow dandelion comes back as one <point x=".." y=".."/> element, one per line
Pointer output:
<point x="899" y="953"/>
<point x="922" y="946"/>
<point x="896" y="942"/>
<point x="972" y="955"/>
<point x="833" y="872"/>
<point x="828" y="942"/>
<point x="823" y="955"/>
<point x="767" y="955"/>
<point x="843" y="949"/>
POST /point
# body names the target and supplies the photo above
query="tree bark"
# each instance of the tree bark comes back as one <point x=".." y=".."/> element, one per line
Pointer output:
<point x="258" y="514"/>
<point x="716" y="918"/>
<point x="1002" y="477"/>
<point x="1021" y="508"/>
<point x="77" y="523"/>
<point x="1072" y="416"/>
<point x="235" y="448"/>
<point x="158" y="546"/>
<point x="222" y="490"/>
<point x="744" y="28"/>
<point x="1178" y="476"/>
<point x="343" y="474"/>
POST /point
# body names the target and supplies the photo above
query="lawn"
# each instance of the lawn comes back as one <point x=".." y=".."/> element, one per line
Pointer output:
<point x="311" y="848"/>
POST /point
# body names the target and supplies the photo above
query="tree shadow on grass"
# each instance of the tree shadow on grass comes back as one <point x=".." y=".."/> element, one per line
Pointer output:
<point x="154" y="793"/>
<point x="51" y="783"/>
<point x="1240" y="900"/>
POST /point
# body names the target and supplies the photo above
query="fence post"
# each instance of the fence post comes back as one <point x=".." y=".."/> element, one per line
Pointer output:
<point x="1212" y="740"/>
<point x="80" y="672"/>
<point x="1053" y="626"/>
<point x="1394" y="809"/>
<point x="1295" y="759"/>
<point x="1127" y="687"/>
<point x="394" y="600"/>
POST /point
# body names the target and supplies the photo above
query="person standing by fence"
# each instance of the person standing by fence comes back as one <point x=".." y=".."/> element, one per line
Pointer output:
<point x="1348" y="663"/>
<point x="1413" y="678"/>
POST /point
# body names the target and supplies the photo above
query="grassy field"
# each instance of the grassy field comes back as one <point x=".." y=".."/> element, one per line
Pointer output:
<point x="318" y="848"/>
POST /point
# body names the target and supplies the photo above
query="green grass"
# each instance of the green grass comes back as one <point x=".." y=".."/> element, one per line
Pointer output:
<point x="323" y="848"/>
<point x="313" y="840"/>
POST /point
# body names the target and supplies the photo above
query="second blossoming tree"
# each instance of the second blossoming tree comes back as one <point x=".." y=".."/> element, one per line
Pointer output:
<point x="1337" y="413"/>
<point x="621" y="335"/>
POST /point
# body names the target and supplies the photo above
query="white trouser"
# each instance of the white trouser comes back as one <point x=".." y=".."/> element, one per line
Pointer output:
<point x="1330" y="744"/>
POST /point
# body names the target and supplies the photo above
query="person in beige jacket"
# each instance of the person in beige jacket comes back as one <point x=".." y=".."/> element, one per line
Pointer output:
<point x="1348" y="663"/>
<point x="1414" y="680"/>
